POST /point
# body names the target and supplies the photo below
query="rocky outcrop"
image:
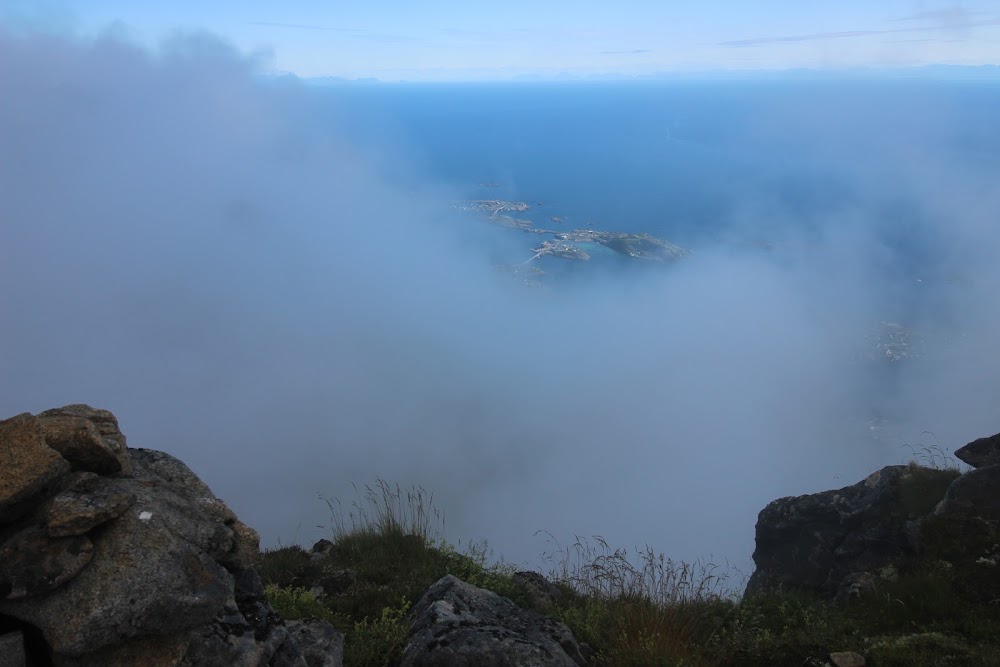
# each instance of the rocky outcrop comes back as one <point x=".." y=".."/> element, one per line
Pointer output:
<point x="458" y="624"/>
<point x="981" y="453"/>
<point x="58" y="425"/>
<point x="824" y="541"/>
<point x="837" y="543"/>
<point x="321" y="645"/>
<point x="122" y="556"/>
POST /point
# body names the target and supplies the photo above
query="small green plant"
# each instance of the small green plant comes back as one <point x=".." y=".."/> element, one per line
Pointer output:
<point x="378" y="641"/>
<point x="295" y="604"/>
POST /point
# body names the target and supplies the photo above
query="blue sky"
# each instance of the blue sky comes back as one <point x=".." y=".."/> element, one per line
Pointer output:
<point x="449" y="40"/>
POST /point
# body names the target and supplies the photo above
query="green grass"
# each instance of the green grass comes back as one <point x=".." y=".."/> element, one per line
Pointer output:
<point x="295" y="604"/>
<point x="387" y="550"/>
<point x="387" y="509"/>
<point x="379" y="640"/>
<point x="637" y="607"/>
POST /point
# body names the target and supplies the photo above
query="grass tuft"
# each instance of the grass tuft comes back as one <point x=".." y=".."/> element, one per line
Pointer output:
<point x="640" y="607"/>
<point x="933" y="456"/>
<point x="388" y="509"/>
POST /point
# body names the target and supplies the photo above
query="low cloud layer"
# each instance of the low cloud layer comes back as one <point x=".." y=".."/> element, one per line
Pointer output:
<point x="200" y="252"/>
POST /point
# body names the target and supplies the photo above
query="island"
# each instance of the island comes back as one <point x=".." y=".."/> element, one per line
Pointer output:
<point x="572" y="245"/>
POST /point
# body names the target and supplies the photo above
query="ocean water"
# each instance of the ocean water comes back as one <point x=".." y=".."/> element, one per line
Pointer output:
<point x="693" y="162"/>
<point x="765" y="165"/>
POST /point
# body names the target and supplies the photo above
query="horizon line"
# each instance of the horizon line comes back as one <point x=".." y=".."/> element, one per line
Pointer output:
<point x="934" y="71"/>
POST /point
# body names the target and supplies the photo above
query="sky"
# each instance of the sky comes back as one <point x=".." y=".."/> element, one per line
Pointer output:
<point x="453" y="40"/>
<point x="248" y="286"/>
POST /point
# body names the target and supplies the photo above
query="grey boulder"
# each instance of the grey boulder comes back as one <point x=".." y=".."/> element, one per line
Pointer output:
<point x="981" y="453"/>
<point x="460" y="625"/>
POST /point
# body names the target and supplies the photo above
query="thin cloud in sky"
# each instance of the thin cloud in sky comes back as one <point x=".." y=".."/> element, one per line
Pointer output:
<point x="357" y="33"/>
<point x="955" y="19"/>
<point x="633" y="52"/>
<point x="943" y="17"/>
<point x="484" y="36"/>
<point x="300" y="26"/>
<point x="757" y="41"/>
<point x="382" y="37"/>
<point x="923" y="40"/>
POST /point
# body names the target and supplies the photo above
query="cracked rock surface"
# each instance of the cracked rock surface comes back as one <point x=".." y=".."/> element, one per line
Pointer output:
<point x="459" y="624"/>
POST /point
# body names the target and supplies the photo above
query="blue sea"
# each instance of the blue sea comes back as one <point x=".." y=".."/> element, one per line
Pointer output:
<point x="741" y="164"/>
<point x="689" y="161"/>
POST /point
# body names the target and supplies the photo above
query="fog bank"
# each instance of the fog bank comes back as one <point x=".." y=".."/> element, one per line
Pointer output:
<point x="200" y="251"/>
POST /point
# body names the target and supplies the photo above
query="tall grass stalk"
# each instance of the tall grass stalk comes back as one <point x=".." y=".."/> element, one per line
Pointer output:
<point x="387" y="509"/>
<point x="592" y="567"/>
<point x="934" y="456"/>
<point x="646" y="608"/>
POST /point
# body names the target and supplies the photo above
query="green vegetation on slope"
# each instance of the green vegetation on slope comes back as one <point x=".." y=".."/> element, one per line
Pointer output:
<point x="632" y="608"/>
